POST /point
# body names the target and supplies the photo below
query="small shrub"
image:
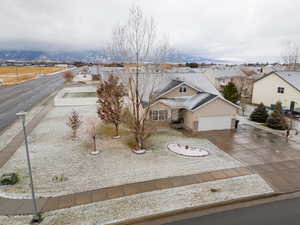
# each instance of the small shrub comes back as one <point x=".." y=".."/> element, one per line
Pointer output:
<point x="68" y="76"/>
<point x="9" y="179"/>
<point x="276" y="120"/>
<point x="74" y="122"/>
<point x="260" y="114"/>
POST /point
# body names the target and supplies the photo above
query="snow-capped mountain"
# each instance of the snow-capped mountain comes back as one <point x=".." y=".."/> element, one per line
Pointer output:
<point x="85" y="56"/>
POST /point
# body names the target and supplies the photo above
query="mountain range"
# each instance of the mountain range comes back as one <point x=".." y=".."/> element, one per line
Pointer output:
<point x="88" y="56"/>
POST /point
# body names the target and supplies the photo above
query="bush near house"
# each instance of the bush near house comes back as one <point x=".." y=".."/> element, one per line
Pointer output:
<point x="276" y="120"/>
<point x="260" y="114"/>
<point x="231" y="93"/>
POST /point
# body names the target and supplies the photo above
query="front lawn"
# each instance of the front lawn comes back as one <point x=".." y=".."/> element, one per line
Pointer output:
<point x="54" y="153"/>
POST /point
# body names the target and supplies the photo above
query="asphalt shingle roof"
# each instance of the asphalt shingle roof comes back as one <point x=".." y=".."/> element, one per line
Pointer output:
<point x="292" y="78"/>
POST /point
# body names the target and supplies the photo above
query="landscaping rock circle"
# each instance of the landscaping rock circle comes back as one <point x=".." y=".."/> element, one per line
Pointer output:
<point x="187" y="150"/>
<point x="139" y="151"/>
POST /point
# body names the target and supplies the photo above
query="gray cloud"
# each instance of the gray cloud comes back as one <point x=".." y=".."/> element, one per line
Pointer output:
<point x="253" y="30"/>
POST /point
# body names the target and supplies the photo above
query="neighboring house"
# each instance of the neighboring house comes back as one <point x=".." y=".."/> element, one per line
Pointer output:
<point x="278" y="86"/>
<point x="241" y="77"/>
<point x="188" y="99"/>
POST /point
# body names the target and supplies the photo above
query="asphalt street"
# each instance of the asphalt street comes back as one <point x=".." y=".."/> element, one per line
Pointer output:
<point x="285" y="212"/>
<point x="24" y="96"/>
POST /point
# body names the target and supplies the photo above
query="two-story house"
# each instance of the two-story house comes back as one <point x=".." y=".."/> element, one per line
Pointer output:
<point x="281" y="87"/>
<point x="190" y="99"/>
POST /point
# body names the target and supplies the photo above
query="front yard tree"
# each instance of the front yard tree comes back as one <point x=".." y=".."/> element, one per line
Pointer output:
<point x="68" y="76"/>
<point x="110" y="95"/>
<point x="91" y="133"/>
<point x="260" y="114"/>
<point x="231" y="93"/>
<point x="74" y="122"/>
<point x="276" y="120"/>
<point x="135" y="42"/>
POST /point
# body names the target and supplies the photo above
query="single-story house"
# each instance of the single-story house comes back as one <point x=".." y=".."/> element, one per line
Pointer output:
<point x="189" y="99"/>
<point x="281" y="87"/>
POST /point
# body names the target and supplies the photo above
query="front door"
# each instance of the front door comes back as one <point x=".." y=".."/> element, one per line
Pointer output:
<point x="292" y="106"/>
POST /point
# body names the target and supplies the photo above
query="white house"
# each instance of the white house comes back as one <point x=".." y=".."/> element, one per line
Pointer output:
<point x="278" y="86"/>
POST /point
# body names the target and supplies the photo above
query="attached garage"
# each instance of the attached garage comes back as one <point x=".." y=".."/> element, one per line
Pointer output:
<point x="214" y="123"/>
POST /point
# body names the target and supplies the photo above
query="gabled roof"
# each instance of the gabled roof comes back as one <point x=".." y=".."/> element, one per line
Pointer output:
<point x="172" y="84"/>
<point x="191" y="103"/>
<point x="292" y="78"/>
<point x="200" y="101"/>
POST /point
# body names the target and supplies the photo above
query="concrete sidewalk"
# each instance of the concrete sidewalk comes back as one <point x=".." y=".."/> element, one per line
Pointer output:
<point x="24" y="206"/>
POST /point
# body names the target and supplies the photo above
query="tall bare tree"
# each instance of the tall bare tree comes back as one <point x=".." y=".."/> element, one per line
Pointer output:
<point x="136" y="42"/>
<point x="290" y="56"/>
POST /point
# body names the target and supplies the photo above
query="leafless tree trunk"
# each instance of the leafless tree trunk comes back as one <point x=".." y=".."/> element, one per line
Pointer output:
<point x="135" y="42"/>
<point x="290" y="56"/>
<point x="91" y="133"/>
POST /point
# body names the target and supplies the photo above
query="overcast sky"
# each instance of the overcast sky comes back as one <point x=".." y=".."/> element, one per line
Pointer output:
<point x="246" y="30"/>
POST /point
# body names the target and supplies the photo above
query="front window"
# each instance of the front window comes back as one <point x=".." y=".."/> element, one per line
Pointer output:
<point x="158" y="114"/>
<point x="163" y="114"/>
<point x="154" y="115"/>
<point x="280" y="90"/>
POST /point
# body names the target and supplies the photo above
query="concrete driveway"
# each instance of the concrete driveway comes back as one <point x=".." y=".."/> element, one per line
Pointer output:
<point x="275" y="159"/>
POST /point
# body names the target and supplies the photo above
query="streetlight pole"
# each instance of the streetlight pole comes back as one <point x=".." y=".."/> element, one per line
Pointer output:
<point x="36" y="217"/>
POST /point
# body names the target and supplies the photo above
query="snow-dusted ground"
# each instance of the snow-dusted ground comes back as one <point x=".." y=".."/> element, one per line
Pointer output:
<point x="53" y="153"/>
<point x="151" y="203"/>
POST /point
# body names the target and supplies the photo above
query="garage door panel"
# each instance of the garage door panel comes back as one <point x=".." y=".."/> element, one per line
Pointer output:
<point x="214" y="123"/>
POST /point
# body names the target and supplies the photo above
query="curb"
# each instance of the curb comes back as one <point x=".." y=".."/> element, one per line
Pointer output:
<point x="177" y="212"/>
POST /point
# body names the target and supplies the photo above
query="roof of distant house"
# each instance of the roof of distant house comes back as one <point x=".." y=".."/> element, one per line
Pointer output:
<point x="293" y="78"/>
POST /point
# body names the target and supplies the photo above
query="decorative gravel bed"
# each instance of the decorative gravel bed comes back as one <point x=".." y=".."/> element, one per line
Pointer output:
<point x="54" y="154"/>
<point x="156" y="202"/>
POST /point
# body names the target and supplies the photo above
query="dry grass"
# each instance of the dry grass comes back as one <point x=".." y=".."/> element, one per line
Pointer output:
<point x="108" y="130"/>
<point x="10" y="75"/>
<point x="13" y="70"/>
<point x="12" y="79"/>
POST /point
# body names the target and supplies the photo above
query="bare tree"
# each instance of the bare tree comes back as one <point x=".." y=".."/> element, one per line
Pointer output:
<point x="74" y="122"/>
<point x="136" y="42"/>
<point x="91" y="133"/>
<point x="68" y="76"/>
<point x="290" y="56"/>
<point x="110" y="95"/>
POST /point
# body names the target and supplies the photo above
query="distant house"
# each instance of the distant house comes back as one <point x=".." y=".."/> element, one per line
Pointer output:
<point x="189" y="99"/>
<point x="243" y="78"/>
<point x="278" y="86"/>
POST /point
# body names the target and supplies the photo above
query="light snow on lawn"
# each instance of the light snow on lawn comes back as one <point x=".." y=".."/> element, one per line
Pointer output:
<point x="53" y="153"/>
<point x="163" y="201"/>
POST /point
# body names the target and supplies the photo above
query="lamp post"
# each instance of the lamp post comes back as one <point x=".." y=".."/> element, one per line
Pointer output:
<point x="36" y="217"/>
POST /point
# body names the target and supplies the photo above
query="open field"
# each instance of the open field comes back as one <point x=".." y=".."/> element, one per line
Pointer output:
<point x="10" y="75"/>
<point x="14" y="70"/>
